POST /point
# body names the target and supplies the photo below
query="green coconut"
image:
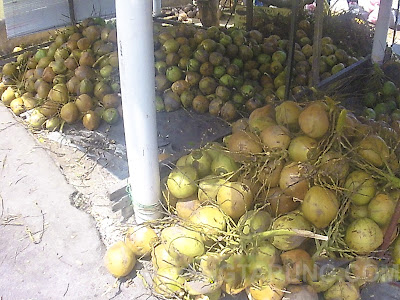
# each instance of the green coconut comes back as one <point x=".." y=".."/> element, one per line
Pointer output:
<point x="360" y="187"/>
<point x="255" y="221"/>
<point x="201" y="161"/>
<point x="363" y="236"/>
<point x="381" y="208"/>
<point x="292" y="220"/>
<point x="223" y="165"/>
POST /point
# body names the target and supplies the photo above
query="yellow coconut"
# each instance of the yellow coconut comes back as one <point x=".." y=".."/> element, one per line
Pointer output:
<point x="209" y="218"/>
<point x="208" y="188"/>
<point x="302" y="148"/>
<point x="168" y="281"/>
<point x="235" y="198"/>
<point x="294" y="181"/>
<point x="140" y="239"/>
<point x="119" y="259"/>
<point x="374" y="150"/>
<point x="314" y="121"/>
<point x="276" y="137"/>
<point x="181" y="182"/>
<point x="320" y="206"/>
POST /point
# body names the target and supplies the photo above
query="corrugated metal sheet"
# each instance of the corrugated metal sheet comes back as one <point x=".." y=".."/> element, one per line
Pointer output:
<point x="28" y="16"/>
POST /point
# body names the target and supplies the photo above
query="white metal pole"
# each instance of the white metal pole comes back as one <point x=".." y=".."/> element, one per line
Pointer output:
<point x="156" y="7"/>
<point x="381" y="30"/>
<point x="136" y="67"/>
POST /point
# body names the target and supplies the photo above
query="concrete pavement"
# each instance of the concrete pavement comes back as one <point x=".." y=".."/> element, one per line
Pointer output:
<point x="48" y="248"/>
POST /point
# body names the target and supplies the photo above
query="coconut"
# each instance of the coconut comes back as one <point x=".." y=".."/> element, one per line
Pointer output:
<point x="201" y="161"/>
<point x="101" y="89"/>
<point x="342" y="290"/>
<point x="141" y="239"/>
<point x="374" y="150"/>
<point x="84" y="103"/>
<point x="293" y="180"/>
<point x="160" y="258"/>
<point x="275" y="137"/>
<point x="270" y="287"/>
<point x="358" y="211"/>
<point x="119" y="259"/>
<point x="204" y="288"/>
<point x="234" y="273"/>
<point x="209" y="265"/>
<point x="8" y="96"/>
<point x="185" y="207"/>
<point x="49" y="108"/>
<point x="223" y="165"/>
<point x="314" y="121"/>
<point x="83" y="72"/>
<point x="210" y="219"/>
<point x="279" y="202"/>
<point x="302" y="148"/>
<point x="58" y="66"/>
<point x="287" y="114"/>
<point x="240" y="125"/>
<point x="324" y="278"/>
<point x="244" y="142"/>
<point x="182" y="244"/>
<point x="181" y="182"/>
<point x="29" y="101"/>
<point x="320" y="206"/>
<point x="334" y="166"/>
<point x="17" y="106"/>
<point x="110" y="115"/>
<point x="70" y="113"/>
<point x="208" y="188"/>
<point x="172" y="101"/>
<point x="396" y="251"/>
<point x="44" y="62"/>
<point x="360" y="187"/>
<point x="9" y="69"/>
<point x="292" y="220"/>
<point x="363" y="236"/>
<point x="111" y="100"/>
<point x="168" y="281"/>
<point x="255" y="221"/>
<point x="59" y="93"/>
<point x="36" y="119"/>
<point x="269" y="174"/>
<point x="228" y="111"/>
<point x="53" y="123"/>
<point x="48" y="74"/>
<point x="261" y="260"/>
<point x="200" y="104"/>
<point x="296" y="263"/>
<point x="381" y="208"/>
<point x="235" y="198"/>
<point x="365" y="269"/>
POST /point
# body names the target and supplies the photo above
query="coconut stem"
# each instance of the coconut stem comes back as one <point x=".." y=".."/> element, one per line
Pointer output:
<point x="62" y="126"/>
<point x="391" y="228"/>
<point x="295" y="232"/>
